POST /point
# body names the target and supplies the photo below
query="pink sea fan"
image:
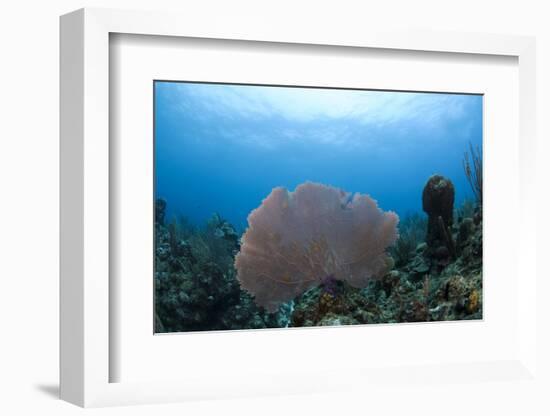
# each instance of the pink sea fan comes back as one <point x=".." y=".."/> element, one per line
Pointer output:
<point x="296" y="239"/>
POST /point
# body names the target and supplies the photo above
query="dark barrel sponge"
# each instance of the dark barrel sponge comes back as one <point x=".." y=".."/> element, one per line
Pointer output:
<point x="437" y="201"/>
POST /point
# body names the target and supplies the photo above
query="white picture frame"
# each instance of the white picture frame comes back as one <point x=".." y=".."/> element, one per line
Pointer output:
<point x="85" y="214"/>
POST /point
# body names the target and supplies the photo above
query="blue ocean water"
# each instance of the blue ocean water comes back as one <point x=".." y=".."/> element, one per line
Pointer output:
<point x="222" y="148"/>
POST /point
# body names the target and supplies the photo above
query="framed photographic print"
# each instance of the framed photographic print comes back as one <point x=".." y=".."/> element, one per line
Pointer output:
<point x="277" y="212"/>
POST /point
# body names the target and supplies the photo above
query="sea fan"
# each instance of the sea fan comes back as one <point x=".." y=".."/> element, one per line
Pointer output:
<point x="295" y="240"/>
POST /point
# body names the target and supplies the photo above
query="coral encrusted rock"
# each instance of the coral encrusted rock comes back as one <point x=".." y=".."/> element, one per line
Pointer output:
<point x="296" y="240"/>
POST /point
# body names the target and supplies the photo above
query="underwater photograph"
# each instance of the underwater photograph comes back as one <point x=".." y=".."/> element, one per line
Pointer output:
<point x="286" y="206"/>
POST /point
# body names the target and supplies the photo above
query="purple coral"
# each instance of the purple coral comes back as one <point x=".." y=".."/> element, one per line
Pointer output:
<point x="295" y="240"/>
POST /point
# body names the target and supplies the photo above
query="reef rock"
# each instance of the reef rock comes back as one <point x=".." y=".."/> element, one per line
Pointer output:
<point x="342" y="305"/>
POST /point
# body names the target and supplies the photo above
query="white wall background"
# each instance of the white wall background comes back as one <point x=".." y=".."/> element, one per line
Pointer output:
<point x="29" y="205"/>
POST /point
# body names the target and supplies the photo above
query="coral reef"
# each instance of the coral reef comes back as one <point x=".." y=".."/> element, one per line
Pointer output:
<point x="195" y="284"/>
<point x="296" y="240"/>
<point x="418" y="290"/>
<point x="197" y="287"/>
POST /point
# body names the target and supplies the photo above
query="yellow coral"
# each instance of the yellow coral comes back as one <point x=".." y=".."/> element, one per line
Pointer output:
<point x="473" y="301"/>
